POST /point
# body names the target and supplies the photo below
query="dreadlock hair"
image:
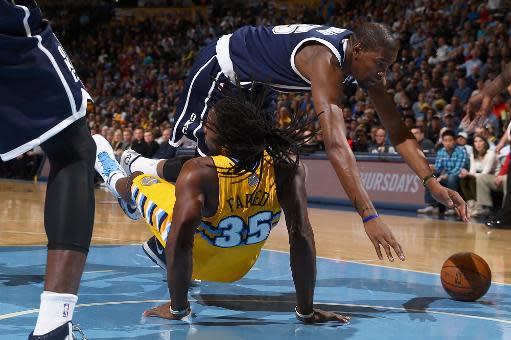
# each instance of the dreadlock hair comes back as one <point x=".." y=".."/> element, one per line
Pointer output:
<point x="375" y="36"/>
<point x="246" y="129"/>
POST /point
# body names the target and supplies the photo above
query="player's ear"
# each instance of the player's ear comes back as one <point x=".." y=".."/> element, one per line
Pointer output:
<point x="357" y="49"/>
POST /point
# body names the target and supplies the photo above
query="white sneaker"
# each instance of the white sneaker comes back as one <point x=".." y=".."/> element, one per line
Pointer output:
<point x="107" y="167"/>
<point x="471" y="204"/>
<point x="127" y="158"/>
<point x="428" y="210"/>
<point x="480" y="211"/>
<point x="450" y="212"/>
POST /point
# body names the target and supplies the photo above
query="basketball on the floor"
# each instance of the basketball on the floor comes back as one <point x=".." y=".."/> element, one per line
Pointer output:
<point x="465" y="276"/>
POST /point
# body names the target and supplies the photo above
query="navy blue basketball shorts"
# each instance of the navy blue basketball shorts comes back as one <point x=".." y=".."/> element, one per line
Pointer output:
<point x="202" y="90"/>
<point x="40" y="93"/>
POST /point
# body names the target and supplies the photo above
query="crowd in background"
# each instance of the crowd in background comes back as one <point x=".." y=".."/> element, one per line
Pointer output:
<point x="135" y="71"/>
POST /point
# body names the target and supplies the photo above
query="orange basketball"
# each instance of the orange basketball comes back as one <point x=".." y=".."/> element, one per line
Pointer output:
<point x="465" y="276"/>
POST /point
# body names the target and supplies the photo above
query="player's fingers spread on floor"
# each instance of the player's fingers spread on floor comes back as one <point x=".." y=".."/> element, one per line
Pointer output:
<point x="342" y="318"/>
<point x="397" y="248"/>
<point x="377" y="248"/>
<point x="150" y="312"/>
<point x="387" y="250"/>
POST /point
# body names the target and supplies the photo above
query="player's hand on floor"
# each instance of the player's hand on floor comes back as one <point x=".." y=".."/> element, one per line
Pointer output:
<point x="381" y="235"/>
<point x="321" y="316"/>
<point x="452" y="200"/>
<point x="162" y="311"/>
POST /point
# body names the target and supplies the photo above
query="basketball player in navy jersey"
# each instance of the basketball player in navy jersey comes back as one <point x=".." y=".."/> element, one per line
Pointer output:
<point x="43" y="102"/>
<point x="297" y="58"/>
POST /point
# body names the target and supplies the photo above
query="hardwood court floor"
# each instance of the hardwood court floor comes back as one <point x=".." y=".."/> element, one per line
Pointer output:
<point x="339" y="234"/>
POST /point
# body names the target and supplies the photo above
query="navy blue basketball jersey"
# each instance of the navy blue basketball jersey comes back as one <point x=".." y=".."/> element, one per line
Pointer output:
<point x="266" y="53"/>
<point x="40" y="91"/>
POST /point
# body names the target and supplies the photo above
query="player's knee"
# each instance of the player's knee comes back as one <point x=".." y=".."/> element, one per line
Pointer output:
<point x="69" y="208"/>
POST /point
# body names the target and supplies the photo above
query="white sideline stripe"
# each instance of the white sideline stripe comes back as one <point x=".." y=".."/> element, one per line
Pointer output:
<point x="132" y="302"/>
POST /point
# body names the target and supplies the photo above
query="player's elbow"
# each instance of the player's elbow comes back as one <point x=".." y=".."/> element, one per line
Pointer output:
<point x="336" y="148"/>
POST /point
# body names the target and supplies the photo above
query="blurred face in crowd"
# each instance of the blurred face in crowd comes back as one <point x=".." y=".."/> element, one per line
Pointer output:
<point x="117" y="136"/>
<point x="448" y="142"/>
<point x="110" y="135"/>
<point x="419" y="135"/>
<point x="360" y="137"/>
<point x="138" y="134"/>
<point x="346" y="112"/>
<point x="148" y="137"/>
<point x="435" y="124"/>
<point x="127" y="136"/>
<point x="380" y="137"/>
<point x="461" y="140"/>
<point x="479" y="144"/>
<point x="374" y="129"/>
<point x="166" y="134"/>
<point x="481" y="131"/>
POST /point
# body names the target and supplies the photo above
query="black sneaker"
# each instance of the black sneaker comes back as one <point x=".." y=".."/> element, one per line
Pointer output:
<point x="64" y="332"/>
<point x="155" y="251"/>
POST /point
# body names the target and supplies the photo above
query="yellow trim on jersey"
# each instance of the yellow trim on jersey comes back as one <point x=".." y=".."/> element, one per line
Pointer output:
<point x="227" y="244"/>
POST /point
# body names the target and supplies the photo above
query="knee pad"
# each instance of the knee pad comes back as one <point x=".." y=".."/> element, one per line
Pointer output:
<point x="69" y="206"/>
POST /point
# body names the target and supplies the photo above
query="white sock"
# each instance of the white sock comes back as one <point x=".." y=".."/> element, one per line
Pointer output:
<point x="56" y="309"/>
<point x="146" y="165"/>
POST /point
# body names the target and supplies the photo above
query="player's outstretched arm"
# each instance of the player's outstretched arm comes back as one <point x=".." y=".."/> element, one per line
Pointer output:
<point x="482" y="100"/>
<point x="406" y="144"/>
<point x="293" y="200"/>
<point x="190" y="200"/>
<point x="326" y="76"/>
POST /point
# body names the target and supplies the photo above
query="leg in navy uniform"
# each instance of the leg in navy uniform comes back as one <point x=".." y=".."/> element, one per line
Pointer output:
<point x="68" y="220"/>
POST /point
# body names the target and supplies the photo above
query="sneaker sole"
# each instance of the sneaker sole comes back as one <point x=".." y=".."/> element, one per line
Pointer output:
<point x="153" y="256"/>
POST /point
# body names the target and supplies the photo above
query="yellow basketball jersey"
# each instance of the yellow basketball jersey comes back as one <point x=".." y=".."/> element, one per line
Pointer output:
<point x="227" y="244"/>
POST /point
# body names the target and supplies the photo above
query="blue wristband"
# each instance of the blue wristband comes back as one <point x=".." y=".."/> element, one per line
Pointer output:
<point x="370" y="217"/>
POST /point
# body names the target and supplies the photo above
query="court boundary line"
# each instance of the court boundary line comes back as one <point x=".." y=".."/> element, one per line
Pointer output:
<point x="125" y="302"/>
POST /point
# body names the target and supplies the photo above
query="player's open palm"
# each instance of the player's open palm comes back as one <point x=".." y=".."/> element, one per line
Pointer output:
<point x="381" y="235"/>
<point x="321" y="316"/>
<point x="162" y="311"/>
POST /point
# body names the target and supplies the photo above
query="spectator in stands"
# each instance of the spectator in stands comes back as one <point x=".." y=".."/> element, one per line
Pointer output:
<point x="127" y="138"/>
<point x="483" y="161"/>
<point x="117" y="144"/>
<point x="426" y="145"/>
<point x="449" y="162"/>
<point x="485" y="133"/>
<point x="462" y="140"/>
<point x="152" y="145"/>
<point x="381" y="145"/>
<point x="138" y="144"/>
<point x="463" y="91"/>
<point x="165" y="150"/>
<point x="487" y="183"/>
<point x="433" y="129"/>
<point x="360" y="140"/>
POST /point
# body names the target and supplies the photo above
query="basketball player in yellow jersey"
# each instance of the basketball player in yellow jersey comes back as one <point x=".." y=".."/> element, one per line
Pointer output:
<point x="223" y="208"/>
